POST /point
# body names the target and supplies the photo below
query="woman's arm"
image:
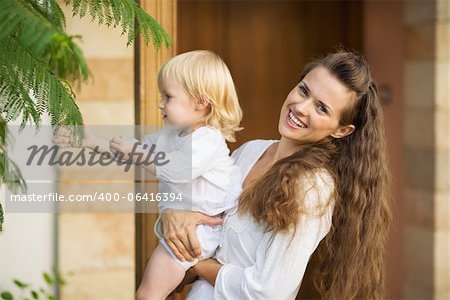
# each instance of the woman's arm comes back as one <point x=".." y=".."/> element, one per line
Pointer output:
<point x="280" y="260"/>
<point x="208" y="269"/>
<point x="279" y="267"/>
<point x="179" y="231"/>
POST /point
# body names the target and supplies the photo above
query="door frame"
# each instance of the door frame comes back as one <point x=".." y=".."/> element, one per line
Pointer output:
<point x="148" y="61"/>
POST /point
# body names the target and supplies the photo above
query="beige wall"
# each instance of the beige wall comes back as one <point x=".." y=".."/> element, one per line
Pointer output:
<point x="96" y="250"/>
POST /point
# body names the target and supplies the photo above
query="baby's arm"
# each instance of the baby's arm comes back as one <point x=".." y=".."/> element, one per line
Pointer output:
<point x="191" y="160"/>
<point x="133" y="151"/>
<point x="65" y="137"/>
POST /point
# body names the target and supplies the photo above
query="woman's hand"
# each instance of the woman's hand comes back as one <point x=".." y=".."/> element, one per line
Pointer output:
<point x="189" y="277"/>
<point x="179" y="231"/>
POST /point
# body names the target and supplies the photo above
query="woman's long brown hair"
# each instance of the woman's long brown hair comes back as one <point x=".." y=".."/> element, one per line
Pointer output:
<point x="351" y="257"/>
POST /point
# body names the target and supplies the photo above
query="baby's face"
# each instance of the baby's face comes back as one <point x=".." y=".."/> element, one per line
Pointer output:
<point x="177" y="107"/>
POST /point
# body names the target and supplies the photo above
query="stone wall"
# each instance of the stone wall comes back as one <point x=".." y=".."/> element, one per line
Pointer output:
<point x="427" y="150"/>
<point x="96" y="250"/>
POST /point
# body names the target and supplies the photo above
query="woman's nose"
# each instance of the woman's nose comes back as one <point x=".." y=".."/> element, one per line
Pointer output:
<point x="303" y="107"/>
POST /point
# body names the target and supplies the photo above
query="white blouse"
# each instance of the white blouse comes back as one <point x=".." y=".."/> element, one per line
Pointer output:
<point x="253" y="268"/>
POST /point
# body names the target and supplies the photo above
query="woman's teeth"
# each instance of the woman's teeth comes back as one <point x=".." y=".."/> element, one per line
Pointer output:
<point x="296" y="121"/>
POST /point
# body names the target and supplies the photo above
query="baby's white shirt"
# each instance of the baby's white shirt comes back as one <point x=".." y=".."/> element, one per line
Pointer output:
<point x="200" y="169"/>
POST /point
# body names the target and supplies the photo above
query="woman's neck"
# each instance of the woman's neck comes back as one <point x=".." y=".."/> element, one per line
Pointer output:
<point x="284" y="149"/>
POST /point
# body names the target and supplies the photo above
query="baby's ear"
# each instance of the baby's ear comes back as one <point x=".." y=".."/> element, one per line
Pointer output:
<point x="201" y="103"/>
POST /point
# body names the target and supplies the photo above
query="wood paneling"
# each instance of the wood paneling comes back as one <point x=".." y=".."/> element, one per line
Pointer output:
<point x="386" y="45"/>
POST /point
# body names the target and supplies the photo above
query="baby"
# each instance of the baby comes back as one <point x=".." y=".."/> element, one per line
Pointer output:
<point x="200" y="109"/>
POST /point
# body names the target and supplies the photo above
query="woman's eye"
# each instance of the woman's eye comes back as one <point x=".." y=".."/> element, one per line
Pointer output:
<point x="302" y="90"/>
<point x="322" y="108"/>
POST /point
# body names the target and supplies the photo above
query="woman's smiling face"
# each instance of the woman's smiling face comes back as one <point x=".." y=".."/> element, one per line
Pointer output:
<point x="313" y="109"/>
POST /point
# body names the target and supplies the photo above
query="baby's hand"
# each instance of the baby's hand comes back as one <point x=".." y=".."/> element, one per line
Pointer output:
<point x="63" y="137"/>
<point x="122" y="147"/>
<point x="67" y="136"/>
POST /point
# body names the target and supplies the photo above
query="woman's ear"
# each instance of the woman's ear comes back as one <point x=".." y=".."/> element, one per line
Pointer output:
<point x="201" y="104"/>
<point x="343" y="131"/>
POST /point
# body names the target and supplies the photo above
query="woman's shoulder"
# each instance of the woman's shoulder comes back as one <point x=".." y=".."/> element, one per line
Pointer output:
<point x="323" y="177"/>
<point x="319" y="186"/>
<point x="251" y="148"/>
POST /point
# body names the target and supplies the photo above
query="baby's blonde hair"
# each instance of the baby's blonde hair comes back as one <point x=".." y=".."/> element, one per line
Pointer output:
<point x="206" y="77"/>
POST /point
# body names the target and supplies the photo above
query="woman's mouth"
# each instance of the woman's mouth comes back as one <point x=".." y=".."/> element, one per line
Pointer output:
<point x="294" y="122"/>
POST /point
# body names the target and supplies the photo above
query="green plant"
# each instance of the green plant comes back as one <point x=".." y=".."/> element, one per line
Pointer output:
<point x="27" y="291"/>
<point x="9" y="172"/>
<point x="40" y="62"/>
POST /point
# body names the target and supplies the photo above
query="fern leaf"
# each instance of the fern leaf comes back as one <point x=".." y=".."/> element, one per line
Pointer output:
<point x="51" y="11"/>
<point x="14" y="91"/>
<point x="31" y="23"/>
<point x="9" y="172"/>
<point x="125" y="13"/>
<point x="12" y="177"/>
<point x="1" y="218"/>
<point x="36" y="77"/>
<point x="8" y="21"/>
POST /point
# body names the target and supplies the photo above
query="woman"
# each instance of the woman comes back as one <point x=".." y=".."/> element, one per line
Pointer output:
<point x="326" y="178"/>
